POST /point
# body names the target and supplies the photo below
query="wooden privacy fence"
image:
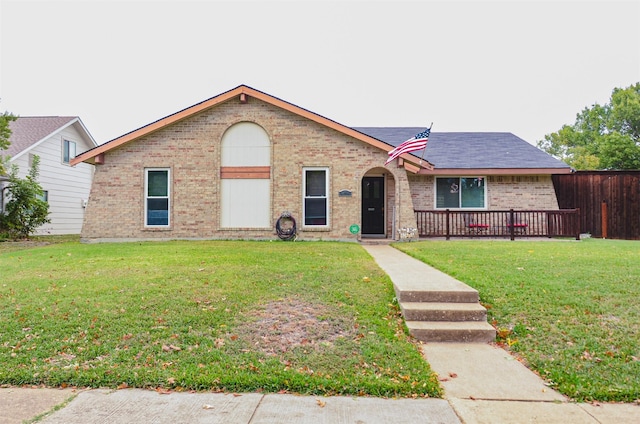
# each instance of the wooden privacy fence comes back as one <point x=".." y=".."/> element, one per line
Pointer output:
<point x="504" y="223"/>
<point x="609" y="201"/>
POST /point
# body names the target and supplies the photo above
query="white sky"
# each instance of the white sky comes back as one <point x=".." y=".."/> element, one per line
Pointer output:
<point x="521" y="67"/>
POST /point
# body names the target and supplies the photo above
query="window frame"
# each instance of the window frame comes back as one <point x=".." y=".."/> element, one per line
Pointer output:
<point x="147" y="197"/>
<point x="305" y="197"/>
<point x="44" y="196"/>
<point x="460" y="189"/>
<point x="66" y="150"/>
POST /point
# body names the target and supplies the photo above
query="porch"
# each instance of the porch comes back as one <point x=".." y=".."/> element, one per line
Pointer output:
<point x="499" y="223"/>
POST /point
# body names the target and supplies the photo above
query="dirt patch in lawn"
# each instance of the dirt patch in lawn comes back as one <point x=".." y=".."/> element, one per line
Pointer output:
<point x="10" y="245"/>
<point x="290" y="323"/>
<point x="13" y="246"/>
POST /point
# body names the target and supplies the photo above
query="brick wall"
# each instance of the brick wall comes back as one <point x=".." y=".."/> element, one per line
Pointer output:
<point x="521" y="192"/>
<point x="191" y="149"/>
<point x="503" y="192"/>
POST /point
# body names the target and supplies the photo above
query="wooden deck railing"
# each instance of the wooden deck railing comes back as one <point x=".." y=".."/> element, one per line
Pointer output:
<point x="504" y="223"/>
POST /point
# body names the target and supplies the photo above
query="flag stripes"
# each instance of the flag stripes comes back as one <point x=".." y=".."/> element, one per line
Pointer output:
<point x="417" y="142"/>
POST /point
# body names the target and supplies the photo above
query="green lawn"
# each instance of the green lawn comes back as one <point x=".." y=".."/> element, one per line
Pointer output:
<point x="570" y="309"/>
<point x="311" y="318"/>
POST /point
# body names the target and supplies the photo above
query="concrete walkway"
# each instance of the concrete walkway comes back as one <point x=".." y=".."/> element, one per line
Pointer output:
<point x="485" y="384"/>
<point x="482" y="384"/>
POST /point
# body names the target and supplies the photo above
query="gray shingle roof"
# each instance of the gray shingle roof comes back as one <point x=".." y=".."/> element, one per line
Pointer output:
<point x="27" y="131"/>
<point x="470" y="150"/>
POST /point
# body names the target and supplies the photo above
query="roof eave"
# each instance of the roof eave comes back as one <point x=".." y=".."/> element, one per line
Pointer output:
<point x="413" y="164"/>
<point x="495" y="171"/>
<point x="90" y="155"/>
<point x="86" y="131"/>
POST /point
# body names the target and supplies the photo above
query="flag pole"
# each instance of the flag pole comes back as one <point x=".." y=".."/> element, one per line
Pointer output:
<point x="425" y="146"/>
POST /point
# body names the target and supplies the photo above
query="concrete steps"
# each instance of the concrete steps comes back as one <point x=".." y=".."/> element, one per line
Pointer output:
<point x="442" y="311"/>
<point x="436" y="307"/>
<point x="435" y="295"/>
<point x="447" y="331"/>
<point x="446" y="316"/>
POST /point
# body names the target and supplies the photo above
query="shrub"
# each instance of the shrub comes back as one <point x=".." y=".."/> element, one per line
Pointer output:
<point x="25" y="210"/>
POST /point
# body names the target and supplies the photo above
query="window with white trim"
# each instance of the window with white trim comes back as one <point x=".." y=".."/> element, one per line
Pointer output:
<point x="315" y="208"/>
<point x="68" y="150"/>
<point x="460" y="193"/>
<point x="156" y="197"/>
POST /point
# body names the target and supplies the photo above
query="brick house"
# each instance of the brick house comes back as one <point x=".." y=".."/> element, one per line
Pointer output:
<point x="230" y="166"/>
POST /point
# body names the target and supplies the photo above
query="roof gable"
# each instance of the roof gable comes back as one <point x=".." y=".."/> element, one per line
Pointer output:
<point x="29" y="131"/>
<point x="93" y="155"/>
<point x="473" y="151"/>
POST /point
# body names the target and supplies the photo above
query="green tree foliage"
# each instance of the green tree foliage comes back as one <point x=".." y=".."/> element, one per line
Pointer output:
<point x="603" y="136"/>
<point x="5" y="134"/>
<point x="25" y="210"/>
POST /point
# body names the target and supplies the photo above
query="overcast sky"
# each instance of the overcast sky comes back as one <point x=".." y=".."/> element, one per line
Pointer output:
<point x="513" y="66"/>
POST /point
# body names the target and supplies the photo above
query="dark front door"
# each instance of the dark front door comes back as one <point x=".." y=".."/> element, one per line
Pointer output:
<point x="373" y="205"/>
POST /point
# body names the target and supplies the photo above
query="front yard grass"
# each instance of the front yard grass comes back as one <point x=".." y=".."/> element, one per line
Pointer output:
<point x="310" y="318"/>
<point x="570" y="310"/>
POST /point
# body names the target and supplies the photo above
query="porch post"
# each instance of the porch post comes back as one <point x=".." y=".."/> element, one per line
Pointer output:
<point x="393" y="223"/>
<point x="447" y="219"/>
<point x="512" y="227"/>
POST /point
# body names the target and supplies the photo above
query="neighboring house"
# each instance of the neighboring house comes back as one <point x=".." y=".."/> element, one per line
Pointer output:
<point x="56" y="140"/>
<point x="230" y="166"/>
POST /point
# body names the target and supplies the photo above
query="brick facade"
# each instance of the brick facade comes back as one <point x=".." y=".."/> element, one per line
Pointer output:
<point x="191" y="150"/>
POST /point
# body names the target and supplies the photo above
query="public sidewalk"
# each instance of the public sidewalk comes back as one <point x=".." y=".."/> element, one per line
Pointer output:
<point x="482" y="384"/>
<point x="137" y="406"/>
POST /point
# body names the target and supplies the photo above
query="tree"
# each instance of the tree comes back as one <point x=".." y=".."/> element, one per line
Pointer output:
<point x="5" y="134"/>
<point x="25" y="211"/>
<point x="603" y="136"/>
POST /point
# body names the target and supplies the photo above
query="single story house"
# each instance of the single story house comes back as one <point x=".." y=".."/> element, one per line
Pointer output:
<point x="233" y="165"/>
<point x="55" y="139"/>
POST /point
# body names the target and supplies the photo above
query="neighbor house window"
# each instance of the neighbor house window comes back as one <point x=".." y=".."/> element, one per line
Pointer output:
<point x="460" y="192"/>
<point x="316" y="202"/>
<point x="44" y="196"/>
<point x="156" y="204"/>
<point x="68" y="150"/>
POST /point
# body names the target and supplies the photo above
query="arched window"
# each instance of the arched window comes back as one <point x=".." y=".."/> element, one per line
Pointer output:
<point x="245" y="177"/>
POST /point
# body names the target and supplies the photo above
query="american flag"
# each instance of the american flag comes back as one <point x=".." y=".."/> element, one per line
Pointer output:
<point x="417" y="142"/>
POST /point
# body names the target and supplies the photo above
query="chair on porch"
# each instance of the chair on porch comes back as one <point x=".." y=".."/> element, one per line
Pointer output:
<point x="519" y="224"/>
<point x="472" y="225"/>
